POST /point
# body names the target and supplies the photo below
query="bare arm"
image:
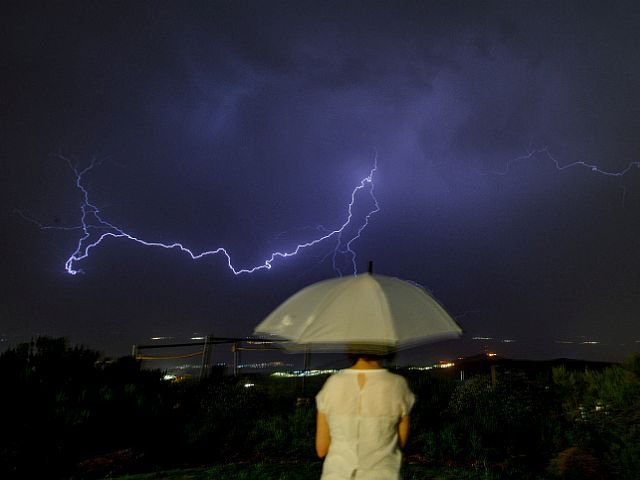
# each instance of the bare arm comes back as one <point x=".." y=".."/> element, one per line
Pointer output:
<point x="323" y="437"/>
<point x="403" y="431"/>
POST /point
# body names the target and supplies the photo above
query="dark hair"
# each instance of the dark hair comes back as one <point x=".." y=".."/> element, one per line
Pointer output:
<point x="371" y="352"/>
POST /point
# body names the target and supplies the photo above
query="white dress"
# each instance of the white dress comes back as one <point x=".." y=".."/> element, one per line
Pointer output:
<point x="363" y="424"/>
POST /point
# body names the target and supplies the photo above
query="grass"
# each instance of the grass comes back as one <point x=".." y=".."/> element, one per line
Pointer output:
<point x="299" y="471"/>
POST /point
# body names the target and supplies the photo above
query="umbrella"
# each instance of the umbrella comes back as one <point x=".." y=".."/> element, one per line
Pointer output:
<point x="373" y="310"/>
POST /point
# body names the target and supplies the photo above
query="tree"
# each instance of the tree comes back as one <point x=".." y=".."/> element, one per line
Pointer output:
<point x="603" y="409"/>
<point x="63" y="404"/>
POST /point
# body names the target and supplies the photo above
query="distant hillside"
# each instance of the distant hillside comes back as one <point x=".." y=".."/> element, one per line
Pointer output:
<point x="467" y="367"/>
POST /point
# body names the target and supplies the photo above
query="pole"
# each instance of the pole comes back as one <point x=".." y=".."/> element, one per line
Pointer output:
<point x="206" y="354"/>
<point x="236" y="358"/>
<point x="307" y="355"/>
<point x="370" y="267"/>
<point x="134" y="351"/>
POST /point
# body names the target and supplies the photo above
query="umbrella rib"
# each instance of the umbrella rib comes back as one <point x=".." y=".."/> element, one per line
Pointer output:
<point x="384" y="306"/>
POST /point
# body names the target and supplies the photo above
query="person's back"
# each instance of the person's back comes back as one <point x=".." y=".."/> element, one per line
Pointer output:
<point x="363" y="409"/>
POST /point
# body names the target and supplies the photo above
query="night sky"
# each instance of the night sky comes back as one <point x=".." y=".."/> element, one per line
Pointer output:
<point x="247" y="125"/>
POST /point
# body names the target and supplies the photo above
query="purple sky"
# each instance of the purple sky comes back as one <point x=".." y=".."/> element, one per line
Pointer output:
<point x="238" y="124"/>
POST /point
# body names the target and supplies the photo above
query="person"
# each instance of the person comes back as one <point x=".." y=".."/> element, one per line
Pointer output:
<point x="363" y="421"/>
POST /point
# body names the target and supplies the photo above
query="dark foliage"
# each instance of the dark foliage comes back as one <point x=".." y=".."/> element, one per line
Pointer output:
<point x="65" y="404"/>
<point x="69" y="413"/>
<point x="580" y="424"/>
<point x="508" y="425"/>
<point x="602" y="409"/>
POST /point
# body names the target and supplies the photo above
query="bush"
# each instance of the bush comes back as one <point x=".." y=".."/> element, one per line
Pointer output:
<point x="575" y="464"/>
<point x="80" y="414"/>
<point x="290" y="435"/>
<point x="67" y="404"/>
<point x="603" y="411"/>
<point x="510" y="424"/>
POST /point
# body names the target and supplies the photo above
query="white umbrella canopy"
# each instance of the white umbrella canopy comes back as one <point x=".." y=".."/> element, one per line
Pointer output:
<point x="375" y="311"/>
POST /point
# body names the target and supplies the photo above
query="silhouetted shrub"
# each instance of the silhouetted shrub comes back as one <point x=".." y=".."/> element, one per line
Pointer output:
<point x="69" y="413"/>
<point x="64" y="404"/>
<point x="511" y="424"/>
<point x="285" y="435"/>
<point x="603" y="411"/>
<point x="574" y="464"/>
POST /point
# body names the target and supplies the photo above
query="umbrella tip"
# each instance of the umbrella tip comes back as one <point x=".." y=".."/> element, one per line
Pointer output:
<point x="370" y="267"/>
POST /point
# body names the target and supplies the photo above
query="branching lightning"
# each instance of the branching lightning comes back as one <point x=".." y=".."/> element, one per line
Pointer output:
<point x="348" y="250"/>
<point x="95" y="229"/>
<point x="545" y="151"/>
<point x="533" y="153"/>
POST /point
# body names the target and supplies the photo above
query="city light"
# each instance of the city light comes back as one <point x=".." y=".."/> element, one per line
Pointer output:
<point x="303" y="373"/>
<point x="263" y="365"/>
<point x="441" y="364"/>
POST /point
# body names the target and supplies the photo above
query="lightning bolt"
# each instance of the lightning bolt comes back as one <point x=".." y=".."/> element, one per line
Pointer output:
<point x="348" y="250"/>
<point x="533" y="153"/>
<point x="95" y="229"/>
<point x="545" y="151"/>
